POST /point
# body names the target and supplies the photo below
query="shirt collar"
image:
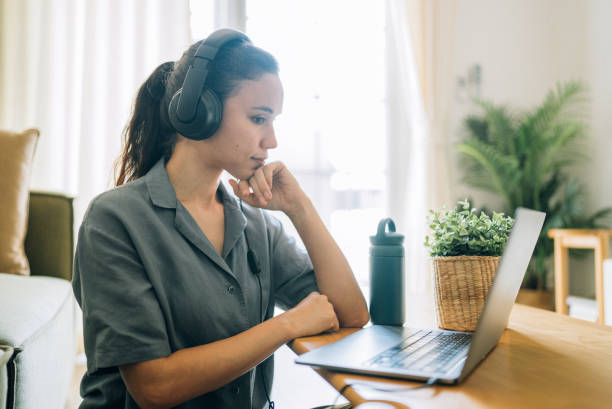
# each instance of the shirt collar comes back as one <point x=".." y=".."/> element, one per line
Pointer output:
<point x="161" y="191"/>
<point x="162" y="194"/>
<point x="235" y="220"/>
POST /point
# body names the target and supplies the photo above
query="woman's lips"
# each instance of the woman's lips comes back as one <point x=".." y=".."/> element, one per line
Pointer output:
<point x="260" y="161"/>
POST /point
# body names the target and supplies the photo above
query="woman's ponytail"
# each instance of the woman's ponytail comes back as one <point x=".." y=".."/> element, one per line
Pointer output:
<point x="148" y="135"/>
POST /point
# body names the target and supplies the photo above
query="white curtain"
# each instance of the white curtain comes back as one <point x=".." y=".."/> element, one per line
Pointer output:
<point x="72" y="68"/>
<point x="419" y="81"/>
<point x="229" y="13"/>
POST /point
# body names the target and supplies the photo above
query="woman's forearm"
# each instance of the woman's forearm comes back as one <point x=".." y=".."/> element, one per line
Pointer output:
<point x="188" y="373"/>
<point x="191" y="372"/>
<point x="334" y="276"/>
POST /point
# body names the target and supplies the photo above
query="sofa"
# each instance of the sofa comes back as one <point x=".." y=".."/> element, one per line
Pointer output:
<point x="38" y="311"/>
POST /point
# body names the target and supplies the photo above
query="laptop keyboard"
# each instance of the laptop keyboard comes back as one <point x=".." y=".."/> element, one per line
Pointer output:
<point x="424" y="350"/>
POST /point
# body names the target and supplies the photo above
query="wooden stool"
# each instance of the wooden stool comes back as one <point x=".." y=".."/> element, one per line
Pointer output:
<point x="597" y="240"/>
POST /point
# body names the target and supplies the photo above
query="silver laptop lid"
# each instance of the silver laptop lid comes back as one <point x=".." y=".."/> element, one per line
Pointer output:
<point x="502" y="294"/>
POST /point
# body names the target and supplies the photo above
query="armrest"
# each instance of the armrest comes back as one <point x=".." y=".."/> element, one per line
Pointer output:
<point x="50" y="235"/>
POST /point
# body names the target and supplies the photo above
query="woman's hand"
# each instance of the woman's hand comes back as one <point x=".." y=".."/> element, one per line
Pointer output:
<point x="273" y="188"/>
<point x="313" y="315"/>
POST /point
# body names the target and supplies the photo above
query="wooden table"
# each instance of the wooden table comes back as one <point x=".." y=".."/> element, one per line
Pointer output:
<point x="598" y="241"/>
<point x="543" y="360"/>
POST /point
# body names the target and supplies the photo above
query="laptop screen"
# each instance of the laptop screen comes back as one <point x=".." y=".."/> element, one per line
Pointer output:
<point x="506" y="284"/>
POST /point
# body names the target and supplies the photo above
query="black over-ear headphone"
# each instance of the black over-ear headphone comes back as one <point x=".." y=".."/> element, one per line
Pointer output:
<point x="195" y="111"/>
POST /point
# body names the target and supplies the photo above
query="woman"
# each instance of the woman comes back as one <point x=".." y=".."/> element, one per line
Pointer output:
<point x="176" y="278"/>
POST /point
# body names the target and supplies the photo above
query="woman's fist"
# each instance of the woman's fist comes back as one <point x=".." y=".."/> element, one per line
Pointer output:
<point x="271" y="187"/>
<point x="313" y="315"/>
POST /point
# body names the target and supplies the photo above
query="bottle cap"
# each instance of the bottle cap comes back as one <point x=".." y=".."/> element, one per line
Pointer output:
<point x="384" y="238"/>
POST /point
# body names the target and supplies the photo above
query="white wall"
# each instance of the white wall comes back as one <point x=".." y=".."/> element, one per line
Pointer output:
<point x="524" y="47"/>
<point x="599" y="74"/>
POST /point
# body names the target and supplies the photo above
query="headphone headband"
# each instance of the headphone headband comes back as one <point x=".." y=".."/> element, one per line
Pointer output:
<point x="193" y="85"/>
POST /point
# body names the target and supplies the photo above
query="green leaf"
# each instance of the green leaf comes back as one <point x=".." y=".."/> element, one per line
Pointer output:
<point x="465" y="233"/>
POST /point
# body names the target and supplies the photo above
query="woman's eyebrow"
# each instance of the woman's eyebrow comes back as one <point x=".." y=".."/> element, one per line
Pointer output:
<point x="264" y="108"/>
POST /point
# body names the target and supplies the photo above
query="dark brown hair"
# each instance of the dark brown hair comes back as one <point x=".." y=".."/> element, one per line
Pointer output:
<point x="149" y="136"/>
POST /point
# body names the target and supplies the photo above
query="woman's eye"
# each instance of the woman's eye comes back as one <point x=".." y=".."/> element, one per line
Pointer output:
<point x="258" y="120"/>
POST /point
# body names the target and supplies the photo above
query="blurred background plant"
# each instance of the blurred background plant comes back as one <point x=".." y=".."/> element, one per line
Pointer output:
<point x="526" y="158"/>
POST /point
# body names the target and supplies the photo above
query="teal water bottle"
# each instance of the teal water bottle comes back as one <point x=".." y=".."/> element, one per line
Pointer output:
<point x="387" y="275"/>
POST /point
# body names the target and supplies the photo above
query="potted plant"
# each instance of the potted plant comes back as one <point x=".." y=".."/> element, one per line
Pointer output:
<point x="465" y="250"/>
<point x="526" y="158"/>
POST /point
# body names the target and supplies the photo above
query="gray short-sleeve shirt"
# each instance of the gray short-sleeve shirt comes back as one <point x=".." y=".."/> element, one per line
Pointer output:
<point x="150" y="283"/>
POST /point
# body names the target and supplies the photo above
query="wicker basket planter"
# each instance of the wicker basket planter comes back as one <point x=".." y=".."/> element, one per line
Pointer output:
<point x="461" y="284"/>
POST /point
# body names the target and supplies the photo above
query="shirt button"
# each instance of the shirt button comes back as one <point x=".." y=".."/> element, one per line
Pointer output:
<point x="236" y="390"/>
<point x="230" y="289"/>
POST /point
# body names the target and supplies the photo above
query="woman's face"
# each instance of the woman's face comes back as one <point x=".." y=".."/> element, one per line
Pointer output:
<point x="241" y="143"/>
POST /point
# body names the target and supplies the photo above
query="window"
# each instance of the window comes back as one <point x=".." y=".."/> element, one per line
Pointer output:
<point x="331" y="134"/>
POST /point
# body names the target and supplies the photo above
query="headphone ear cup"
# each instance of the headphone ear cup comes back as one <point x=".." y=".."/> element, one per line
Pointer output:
<point x="207" y="120"/>
<point x="212" y="111"/>
<point x="172" y="109"/>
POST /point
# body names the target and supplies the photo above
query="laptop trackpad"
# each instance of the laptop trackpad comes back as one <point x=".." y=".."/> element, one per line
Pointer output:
<point x="357" y="348"/>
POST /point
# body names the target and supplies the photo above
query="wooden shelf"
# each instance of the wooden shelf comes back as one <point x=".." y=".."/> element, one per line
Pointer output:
<point x="565" y="239"/>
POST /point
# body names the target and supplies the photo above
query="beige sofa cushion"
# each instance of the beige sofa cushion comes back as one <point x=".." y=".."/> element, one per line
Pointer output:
<point x="16" y="155"/>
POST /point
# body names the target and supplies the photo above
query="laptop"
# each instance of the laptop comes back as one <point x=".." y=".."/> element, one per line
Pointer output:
<point x="438" y="355"/>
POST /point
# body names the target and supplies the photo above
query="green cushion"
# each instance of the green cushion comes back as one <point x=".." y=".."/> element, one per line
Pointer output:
<point x="50" y="235"/>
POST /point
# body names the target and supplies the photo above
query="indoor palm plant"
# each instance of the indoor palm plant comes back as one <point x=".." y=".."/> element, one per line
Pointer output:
<point x="465" y="250"/>
<point x="526" y="158"/>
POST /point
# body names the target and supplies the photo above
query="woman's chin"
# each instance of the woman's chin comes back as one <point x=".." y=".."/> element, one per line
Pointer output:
<point x="242" y="174"/>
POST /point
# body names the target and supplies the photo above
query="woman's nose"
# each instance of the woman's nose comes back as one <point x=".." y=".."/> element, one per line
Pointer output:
<point x="269" y="141"/>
